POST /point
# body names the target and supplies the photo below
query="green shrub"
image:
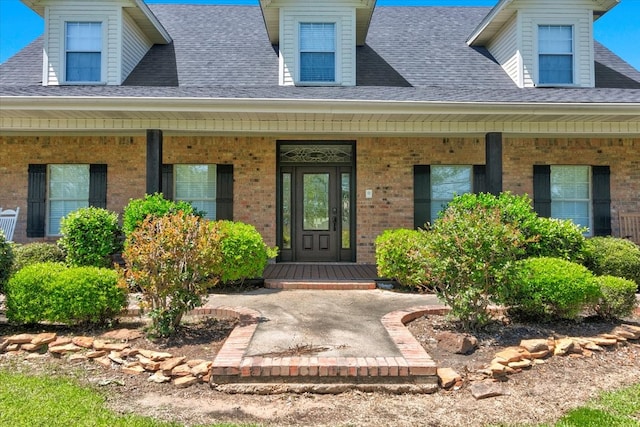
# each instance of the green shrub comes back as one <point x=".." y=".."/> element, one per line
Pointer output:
<point x="551" y="288"/>
<point x="556" y="238"/>
<point x="544" y="236"/>
<point x="90" y="237"/>
<point x="55" y="293"/>
<point x="244" y="253"/>
<point x="152" y="204"/>
<point x="613" y="256"/>
<point x="473" y="254"/>
<point x="37" y="252"/>
<point x="6" y="260"/>
<point x="402" y="255"/>
<point x="617" y="297"/>
<point x="169" y="258"/>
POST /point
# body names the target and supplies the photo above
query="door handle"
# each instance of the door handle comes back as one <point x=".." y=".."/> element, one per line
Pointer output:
<point x="335" y="223"/>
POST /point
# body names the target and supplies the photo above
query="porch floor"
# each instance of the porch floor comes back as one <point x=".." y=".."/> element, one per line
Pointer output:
<point x="324" y="272"/>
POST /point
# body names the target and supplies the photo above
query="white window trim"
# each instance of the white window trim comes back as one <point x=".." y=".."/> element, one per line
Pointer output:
<point x="336" y="20"/>
<point x="536" y="51"/>
<point x="589" y="226"/>
<point x="104" y="21"/>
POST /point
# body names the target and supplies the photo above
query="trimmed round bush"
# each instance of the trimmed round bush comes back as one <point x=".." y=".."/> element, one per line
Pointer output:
<point x="402" y="255"/>
<point x="37" y="252"/>
<point x="6" y="260"/>
<point x="244" y="253"/>
<point x="90" y="237"/>
<point x="545" y="237"/>
<point x="71" y="295"/>
<point x="614" y="257"/>
<point x="551" y="288"/>
<point x="617" y="297"/>
<point x="152" y="204"/>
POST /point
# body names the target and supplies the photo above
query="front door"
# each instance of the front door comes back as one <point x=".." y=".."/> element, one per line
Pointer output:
<point x="316" y="224"/>
<point x="316" y="202"/>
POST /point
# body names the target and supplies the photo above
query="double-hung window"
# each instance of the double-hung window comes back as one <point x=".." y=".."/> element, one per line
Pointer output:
<point x="68" y="191"/>
<point x="571" y="194"/>
<point x="83" y="51"/>
<point x="317" y="52"/>
<point x="555" y="54"/>
<point x="447" y="182"/>
<point x="197" y="184"/>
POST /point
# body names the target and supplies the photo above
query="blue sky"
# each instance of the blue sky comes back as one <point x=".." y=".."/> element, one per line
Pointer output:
<point x="619" y="29"/>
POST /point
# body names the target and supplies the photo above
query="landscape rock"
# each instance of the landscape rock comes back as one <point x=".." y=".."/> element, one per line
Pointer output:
<point x="171" y="363"/>
<point x="521" y="364"/>
<point x="632" y="328"/>
<point x="44" y="338"/>
<point x="95" y="354"/>
<point x="486" y="389"/>
<point x="60" y="341"/>
<point x="626" y="334"/>
<point x="123" y="334"/>
<point x="115" y="357"/>
<point x="180" y="371"/>
<point x="155" y="355"/>
<point x="31" y="347"/>
<point x="77" y="358"/>
<point x="539" y="354"/>
<point x="447" y="377"/>
<point x="513" y="354"/>
<point x="85" y="342"/>
<point x="133" y="370"/>
<point x="592" y="346"/>
<point x="159" y="378"/>
<point x="201" y="369"/>
<point x="64" y="349"/>
<point x="115" y="346"/>
<point x="103" y="361"/>
<point x="12" y="347"/>
<point x="457" y="343"/>
<point x="195" y="362"/>
<point x="564" y="346"/>
<point x="535" y="345"/>
<point x="186" y="381"/>
<point x="20" y="339"/>
<point x="604" y="341"/>
<point x="3" y="345"/>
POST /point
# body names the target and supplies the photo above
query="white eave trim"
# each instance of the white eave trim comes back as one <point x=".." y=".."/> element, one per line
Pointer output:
<point x="162" y="32"/>
<point x="310" y="106"/>
<point x="497" y="9"/>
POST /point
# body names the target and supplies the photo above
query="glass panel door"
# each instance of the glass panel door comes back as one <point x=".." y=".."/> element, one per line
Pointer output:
<point x="315" y="205"/>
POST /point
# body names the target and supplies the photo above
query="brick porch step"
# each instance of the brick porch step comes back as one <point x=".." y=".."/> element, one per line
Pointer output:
<point x="320" y="284"/>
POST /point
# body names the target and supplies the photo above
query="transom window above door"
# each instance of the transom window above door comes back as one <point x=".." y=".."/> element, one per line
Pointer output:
<point x="317" y="41"/>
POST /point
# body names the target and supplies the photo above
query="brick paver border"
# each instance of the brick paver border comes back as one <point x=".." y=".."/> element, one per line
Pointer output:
<point x="414" y="366"/>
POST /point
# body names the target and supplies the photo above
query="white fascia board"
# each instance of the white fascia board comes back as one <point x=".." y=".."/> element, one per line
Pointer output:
<point x="162" y="32"/>
<point x="318" y="106"/>
<point x="497" y="9"/>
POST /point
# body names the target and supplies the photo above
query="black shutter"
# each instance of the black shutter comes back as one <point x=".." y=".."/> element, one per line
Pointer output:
<point x="98" y="186"/>
<point x="224" y="192"/>
<point x="36" y="200"/>
<point x="542" y="190"/>
<point x="601" y="176"/>
<point x="479" y="179"/>
<point x="167" y="181"/>
<point x="421" y="195"/>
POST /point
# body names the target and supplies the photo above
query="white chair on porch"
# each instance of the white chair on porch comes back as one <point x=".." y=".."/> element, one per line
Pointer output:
<point x="8" y="219"/>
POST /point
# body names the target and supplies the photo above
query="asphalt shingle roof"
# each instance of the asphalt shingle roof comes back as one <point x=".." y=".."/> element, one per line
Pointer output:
<point x="411" y="54"/>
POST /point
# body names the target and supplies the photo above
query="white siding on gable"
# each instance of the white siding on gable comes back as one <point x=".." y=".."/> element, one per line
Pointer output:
<point x="345" y="20"/>
<point x="579" y="15"/>
<point x="505" y="49"/>
<point x="107" y="12"/>
<point x="135" y="45"/>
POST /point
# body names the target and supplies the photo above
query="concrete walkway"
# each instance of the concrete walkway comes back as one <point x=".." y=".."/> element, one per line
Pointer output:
<point x="344" y="323"/>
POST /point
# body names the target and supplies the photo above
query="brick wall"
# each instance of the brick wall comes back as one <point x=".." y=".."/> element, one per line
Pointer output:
<point x="384" y="165"/>
<point x="622" y="155"/>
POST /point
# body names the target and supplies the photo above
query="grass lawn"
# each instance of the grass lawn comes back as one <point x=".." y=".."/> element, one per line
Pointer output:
<point x="56" y="401"/>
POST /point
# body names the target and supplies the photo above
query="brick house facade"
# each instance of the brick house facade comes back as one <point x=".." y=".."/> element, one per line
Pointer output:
<point x="377" y="143"/>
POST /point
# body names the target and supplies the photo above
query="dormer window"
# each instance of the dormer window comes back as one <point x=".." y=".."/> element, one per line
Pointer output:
<point x="555" y="55"/>
<point x="83" y="52"/>
<point x="317" y="52"/>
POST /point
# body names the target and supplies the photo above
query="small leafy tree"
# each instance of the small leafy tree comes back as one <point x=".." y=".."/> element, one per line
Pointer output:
<point x="169" y="257"/>
<point x="90" y="237"/>
<point x="473" y="256"/>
